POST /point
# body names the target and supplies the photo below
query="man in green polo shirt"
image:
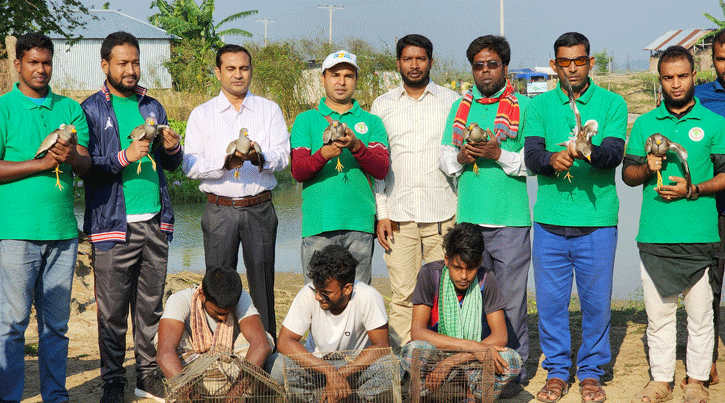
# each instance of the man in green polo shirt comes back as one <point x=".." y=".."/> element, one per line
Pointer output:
<point x="338" y="206"/>
<point x="38" y="230"/>
<point x="678" y="228"/>
<point x="575" y="223"/>
<point x="493" y="174"/>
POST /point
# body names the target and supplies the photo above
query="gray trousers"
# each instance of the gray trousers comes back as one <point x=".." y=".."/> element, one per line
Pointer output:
<point x="509" y="249"/>
<point x="255" y="227"/>
<point x="359" y="244"/>
<point x="132" y="274"/>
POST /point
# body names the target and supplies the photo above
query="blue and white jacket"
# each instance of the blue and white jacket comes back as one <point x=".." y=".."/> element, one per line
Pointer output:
<point x="105" y="216"/>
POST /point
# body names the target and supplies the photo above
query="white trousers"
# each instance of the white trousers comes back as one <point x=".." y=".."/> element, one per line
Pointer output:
<point x="662" y="331"/>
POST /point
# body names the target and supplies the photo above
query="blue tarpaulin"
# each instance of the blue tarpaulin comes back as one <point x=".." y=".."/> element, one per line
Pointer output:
<point x="526" y="74"/>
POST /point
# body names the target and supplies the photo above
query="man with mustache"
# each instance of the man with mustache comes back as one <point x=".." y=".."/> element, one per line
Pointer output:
<point x="338" y="206"/>
<point x="677" y="253"/>
<point x="575" y="223"/>
<point x="415" y="202"/>
<point x="492" y="173"/>
<point x="128" y="217"/>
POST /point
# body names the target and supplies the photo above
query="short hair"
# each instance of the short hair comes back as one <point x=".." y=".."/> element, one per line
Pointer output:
<point x="498" y="44"/>
<point x="718" y="38"/>
<point x="222" y="288"/>
<point x="673" y="53"/>
<point x="117" y="39"/>
<point x="414" y="40"/>
<point x="570" y="39"/>
<point x="231" y="48"/>
<point x="465" y="240"/>
<point x="32" y="40"/>
<point x="332" y="262"/>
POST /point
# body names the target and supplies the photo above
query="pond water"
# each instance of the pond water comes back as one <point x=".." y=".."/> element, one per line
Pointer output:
<point x="186" y="251"/>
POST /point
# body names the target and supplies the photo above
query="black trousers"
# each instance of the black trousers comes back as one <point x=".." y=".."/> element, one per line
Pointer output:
<point x="255" y="227"/>
<point x="131" y="274"/>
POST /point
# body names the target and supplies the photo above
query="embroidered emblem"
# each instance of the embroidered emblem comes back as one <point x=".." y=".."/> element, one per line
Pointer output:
<point x="696" y="134"/>
<point x="361" y="128"/>
<point x="108" y="123"/>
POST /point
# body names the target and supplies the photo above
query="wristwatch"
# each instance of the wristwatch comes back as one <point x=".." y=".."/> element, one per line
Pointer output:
<point x="696" y="193"/>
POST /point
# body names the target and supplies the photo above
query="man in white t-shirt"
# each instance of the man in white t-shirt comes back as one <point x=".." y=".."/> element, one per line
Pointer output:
<point x="218" y="314"/>
<point x="340" y="314"/>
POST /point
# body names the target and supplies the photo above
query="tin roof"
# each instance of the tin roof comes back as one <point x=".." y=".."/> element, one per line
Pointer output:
<point x="110" y="21"/>
<point x="683" y="37"/>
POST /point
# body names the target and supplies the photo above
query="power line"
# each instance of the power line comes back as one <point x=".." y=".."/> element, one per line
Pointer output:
<point x="331" y="9"/>
<point x="265" y="21"/>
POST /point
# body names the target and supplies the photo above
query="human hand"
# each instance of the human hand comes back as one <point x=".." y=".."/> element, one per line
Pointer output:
<point x="349" y="141"/>
<point x="561" y="161"/>
<point x="498" y="362"/>
<point x="384" y="231"/>
<point x="469" y="153"/>
<point x="336" y="388"/>
<point x="330" y="151"/>
<point x="573" y="152"/>
<point x="170" y="137"/>
<point x="655" y="163"/>
<point x="673" y="192"/>
<point x="64" y="151"/>
<point x="137" y="150"/>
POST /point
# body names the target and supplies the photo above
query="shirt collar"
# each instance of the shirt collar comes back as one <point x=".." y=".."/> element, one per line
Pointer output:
<point x="326" y="111"/>
<point x="695" y="113"/>
<point x="28" y="104"/>
<point x="431" y="88"/>
<point x="583" y="98"/>
<point x="222" y="102"/>
<point x="717" y="85"/>
<point x="477" y="94"/>
<point x="138" y="90"/>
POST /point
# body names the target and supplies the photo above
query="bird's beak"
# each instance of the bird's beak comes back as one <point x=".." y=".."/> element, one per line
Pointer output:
<point x="589" y="158"/>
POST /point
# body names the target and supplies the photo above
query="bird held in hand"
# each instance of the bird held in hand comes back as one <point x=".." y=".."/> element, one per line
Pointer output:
<point x="474" y="134"/>
<point x="334" y="131"/>
<point x="65" y="132"/>
<point x="658" y="145"/>
<point x="243" y="146"/>
<point x="150" y="131"/>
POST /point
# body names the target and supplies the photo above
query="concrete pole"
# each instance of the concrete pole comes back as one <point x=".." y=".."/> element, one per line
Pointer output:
<point x="501" y="17"/>
<point x="330" y="8"/>
<point x="10" y="48"/>
<point x="265" y="21"/>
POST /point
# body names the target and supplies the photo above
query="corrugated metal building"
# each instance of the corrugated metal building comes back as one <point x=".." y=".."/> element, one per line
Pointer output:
<point x="78" y="67"/>
<point x="687" y="38"/>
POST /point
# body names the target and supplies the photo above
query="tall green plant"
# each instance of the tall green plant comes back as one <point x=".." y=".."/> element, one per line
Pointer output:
<point x="277" y="74"/>
<point x="719" y="23"/>
<point x="191" y="66"/>
<point x="47" y="16"/>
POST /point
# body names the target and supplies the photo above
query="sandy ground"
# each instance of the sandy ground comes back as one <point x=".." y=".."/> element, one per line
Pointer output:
<point x="624" y="376"/>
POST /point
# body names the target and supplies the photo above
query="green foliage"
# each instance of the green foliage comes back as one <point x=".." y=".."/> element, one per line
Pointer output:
<point x="372" y="62"/>
<point x="719" y="23"/>
<point x="48" y="16"/>
<point x="192" y="67"/>
<point x="31" y="349"/>
<point x="187" y="20"/>
<point x="603" y="59"/>
<point x="178" y="126"/>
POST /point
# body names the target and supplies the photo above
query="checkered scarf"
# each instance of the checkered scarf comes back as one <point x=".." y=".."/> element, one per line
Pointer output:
<point x="506" y="124"/>
<point x="456" y="320"/>
<point x="202" y="338"/>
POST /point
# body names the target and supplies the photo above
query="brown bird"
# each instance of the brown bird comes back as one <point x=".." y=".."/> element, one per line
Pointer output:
<point x="150" y="131"/>
<point x="475" y="135"/>
<point x="335" y="131"/>
<point x="65" y="132"/>
<point x="658" y="145"/>
<point x="244" y="146"/>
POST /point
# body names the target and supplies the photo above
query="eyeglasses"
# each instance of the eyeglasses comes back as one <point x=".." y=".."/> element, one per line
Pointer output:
<point x="326" y="298"/>
<point x="491" y="64"/>
<point x="578" y="61"/>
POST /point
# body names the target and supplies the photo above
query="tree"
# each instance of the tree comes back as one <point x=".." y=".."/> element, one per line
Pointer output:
<point x="602" y="61"/>
<point x="720" y="24"/>
<point x="187" y="20"/>
<point x="47" y="16"/>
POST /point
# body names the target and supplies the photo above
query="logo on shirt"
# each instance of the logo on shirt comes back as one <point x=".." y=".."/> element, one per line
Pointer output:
<point x="361" y="128"/>
<point x="108" y="123"/>
<point x="696" y="134"/>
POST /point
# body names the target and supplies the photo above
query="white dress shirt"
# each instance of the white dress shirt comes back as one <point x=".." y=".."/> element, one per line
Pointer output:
<point x="415" y="188"/>
<point x="214" y="124"/>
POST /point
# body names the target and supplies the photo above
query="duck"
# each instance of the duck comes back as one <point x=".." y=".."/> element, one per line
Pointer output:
<point x="244" y="146"/>
<point x="334" y="131"/>
<point x="475" y="135"/>
<point x="65" y="132"/>
<point x="658" y="145"/>
<point x="149" y="130"/>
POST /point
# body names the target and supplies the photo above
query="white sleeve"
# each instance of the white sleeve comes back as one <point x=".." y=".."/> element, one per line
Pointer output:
<point x="299" y="316"/>
<point x="375" y="315"/>
<point x="277" y="156"/>
<point x="448" y="161"/>
<point x="381" y="199"/>
<point x="196" y="165"/>
<point x="513" y="163"/>
<point x="178" y="306"/>
<point x="245" y="307"/>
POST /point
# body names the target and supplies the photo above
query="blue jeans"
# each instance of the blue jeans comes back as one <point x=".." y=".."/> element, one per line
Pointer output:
<point x="360" y="245"/>
<point x="40" y="271"/>
<point x="557" y="259"/>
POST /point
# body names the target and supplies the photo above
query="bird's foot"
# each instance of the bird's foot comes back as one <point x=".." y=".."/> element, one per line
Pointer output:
<point x="659" y="180"/>
<point x="57" y="177"/>
<point x="339" y="166"/>
<point x="153" y="163"/>
<point x="475" y="168"/>
<point x="138" y="170"/>
<point x="568" y="176"/>
<point x="236" y="174"/>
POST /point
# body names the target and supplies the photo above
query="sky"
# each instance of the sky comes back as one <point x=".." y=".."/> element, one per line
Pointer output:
<point x="622" y="27"/>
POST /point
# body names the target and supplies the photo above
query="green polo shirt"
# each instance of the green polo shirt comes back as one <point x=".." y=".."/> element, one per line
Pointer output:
<point x="334" y="200"/>
<point x="702" y="133"/>
<point x="140" y="190"/>
<point x="33" y="208"/>
<point x="590" y="200"/>
<point x="505" y="195"/>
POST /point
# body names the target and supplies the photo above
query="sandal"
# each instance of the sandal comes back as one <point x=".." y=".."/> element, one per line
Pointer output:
<point x="713" y="380"/>
<point x="695" y="393"/>
<point x="554" y="387"/>
<point x="591" y="388"/>
<point x="655" y="392"/>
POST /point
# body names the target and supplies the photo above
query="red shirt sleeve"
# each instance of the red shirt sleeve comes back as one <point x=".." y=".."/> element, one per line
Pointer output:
<point x="306" y="166"/>
<point x="373" y="159"/>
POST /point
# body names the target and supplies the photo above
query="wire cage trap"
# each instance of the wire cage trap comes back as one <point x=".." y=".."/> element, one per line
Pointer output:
<point x="378" y="382"/>
<point x="447" y="376"/>
<point x="223" y="377"/>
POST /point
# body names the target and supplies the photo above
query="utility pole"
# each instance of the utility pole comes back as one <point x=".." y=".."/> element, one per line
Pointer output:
<point x="265" y="21"/>
<point x="501" y="17"/>
<point x="331" y="9"/>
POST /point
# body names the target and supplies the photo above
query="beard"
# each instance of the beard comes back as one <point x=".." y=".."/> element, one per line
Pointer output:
<point x="679" y="103"/>
<point x="487" y="90"/>
<point x="119" y="85"/>
<point x="420" y="82"/>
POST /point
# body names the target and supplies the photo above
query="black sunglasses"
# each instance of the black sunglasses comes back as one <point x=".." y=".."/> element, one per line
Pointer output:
<point x="491" y="64"/>
<point x="578" y="61"/>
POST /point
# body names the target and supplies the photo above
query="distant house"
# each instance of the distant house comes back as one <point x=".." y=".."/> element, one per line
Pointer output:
<point x="687" y="38"/>
<point x="78" y="67"/>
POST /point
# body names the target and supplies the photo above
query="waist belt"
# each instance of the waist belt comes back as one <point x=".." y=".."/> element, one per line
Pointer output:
<point x="243" y="202"/>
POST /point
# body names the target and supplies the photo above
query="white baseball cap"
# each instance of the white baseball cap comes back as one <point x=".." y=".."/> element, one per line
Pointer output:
<point x="341" y="56"/>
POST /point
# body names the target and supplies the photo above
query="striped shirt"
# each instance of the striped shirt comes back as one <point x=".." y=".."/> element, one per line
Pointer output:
<point x="214" y="124"/>
<point x="415" y="189"/>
